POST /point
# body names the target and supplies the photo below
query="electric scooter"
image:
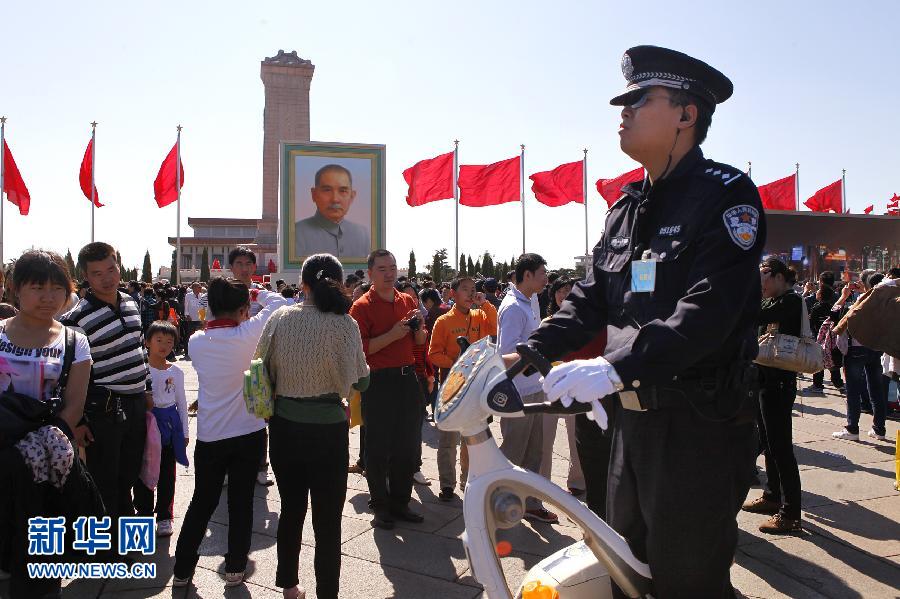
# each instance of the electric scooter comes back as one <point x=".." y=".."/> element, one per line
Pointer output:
<point x="478" y="387"/>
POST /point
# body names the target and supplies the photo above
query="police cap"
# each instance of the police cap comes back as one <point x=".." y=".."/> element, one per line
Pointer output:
<point x="648" y="66"/>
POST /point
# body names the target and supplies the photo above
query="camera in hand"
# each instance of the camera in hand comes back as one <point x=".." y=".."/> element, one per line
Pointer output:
<point x="413" y="324"/>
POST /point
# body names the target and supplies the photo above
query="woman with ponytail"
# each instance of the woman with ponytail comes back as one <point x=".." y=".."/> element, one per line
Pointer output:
<point x="313" y="353"/>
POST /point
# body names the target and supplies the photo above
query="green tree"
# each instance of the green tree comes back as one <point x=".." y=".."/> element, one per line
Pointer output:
<point x="146" y="271"/>
<point x="487" y="265"/>
<point x="204" y="266"/>
<point x="470" y="266"/>
<point x="477" y="269"/>
<point x="439" y="267"/>
<point x="462" y="265"/>
<point x="119" y="262"/>
<point x="173" y="268"/>
<point x="411" y="271"/>
<point x="70" y="263"/>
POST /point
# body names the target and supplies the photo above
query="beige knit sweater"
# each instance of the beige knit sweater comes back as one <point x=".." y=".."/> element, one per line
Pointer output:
<point x="309" y="353"/>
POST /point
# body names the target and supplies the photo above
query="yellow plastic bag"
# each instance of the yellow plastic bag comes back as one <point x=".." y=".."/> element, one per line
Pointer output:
<point x="258" y="394"/>
<point x="355" y="408"/>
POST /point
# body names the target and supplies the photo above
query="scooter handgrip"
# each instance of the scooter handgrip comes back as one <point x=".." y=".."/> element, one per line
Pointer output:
<point x="555" y="407"/>
<point x="529" y="357"/>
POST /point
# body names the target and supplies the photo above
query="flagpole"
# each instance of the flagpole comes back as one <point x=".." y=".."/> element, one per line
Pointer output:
<point x="522" y="192"/>
<point x="844" y="191"/>
<point x="584" y="191"/>
<point x="2" y="166"/>
<point x="177" y="272"/>
<point x="797" y="190"/>
<point x="456" y="201"/>
<point x="749" y="169"/>
<point x="93" y="154"/>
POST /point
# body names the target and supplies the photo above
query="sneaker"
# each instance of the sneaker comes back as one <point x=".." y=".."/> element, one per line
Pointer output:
<point x="761" y="505"/>
<point x="814" y="390"/>
<point x="262" y="478"/>
<point x="164" y="528"/>
<point x="233" y="579"/>
<point x="542" y="515"/>
<point x="780" y="525"/>
<point x="447" y="494"/>
<point x="875" y="435"/>
<point x="845" y="435"/>
<point x="419" y="478"/>
<point x="180" y="582"/>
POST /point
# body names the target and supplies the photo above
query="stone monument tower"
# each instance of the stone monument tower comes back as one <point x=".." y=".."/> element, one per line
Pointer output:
<point x="286" y="78"/>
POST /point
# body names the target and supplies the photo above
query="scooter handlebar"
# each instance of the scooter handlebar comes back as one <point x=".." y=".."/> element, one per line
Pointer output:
<point x="528" y="357"/>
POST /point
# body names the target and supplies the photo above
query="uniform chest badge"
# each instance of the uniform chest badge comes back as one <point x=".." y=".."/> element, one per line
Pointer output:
<point x="669" y="231"/>
<point x="742" y="223"/>
<point x="618" y="243"/>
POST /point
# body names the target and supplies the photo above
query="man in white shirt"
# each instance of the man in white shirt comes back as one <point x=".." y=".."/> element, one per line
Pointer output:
<point x="517" y="319"/>
<point x="193" y="301"/>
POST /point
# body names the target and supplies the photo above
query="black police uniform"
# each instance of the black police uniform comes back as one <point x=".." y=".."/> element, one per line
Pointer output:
<point x="684" y="441"/>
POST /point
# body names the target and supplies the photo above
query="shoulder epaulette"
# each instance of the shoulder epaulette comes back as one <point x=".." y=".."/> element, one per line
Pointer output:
<point x="721" y="172"/>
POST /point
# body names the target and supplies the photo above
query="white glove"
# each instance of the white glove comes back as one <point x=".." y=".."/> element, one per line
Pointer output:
<point x="584" y="381"/>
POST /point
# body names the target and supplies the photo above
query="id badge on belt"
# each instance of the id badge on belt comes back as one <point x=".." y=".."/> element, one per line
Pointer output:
<point x="643" y="275"/>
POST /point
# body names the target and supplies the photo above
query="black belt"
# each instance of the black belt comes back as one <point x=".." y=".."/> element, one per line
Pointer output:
<point x="396" y="370"/>
<point x="657" y="397"/>
<point x="103" y="401"/>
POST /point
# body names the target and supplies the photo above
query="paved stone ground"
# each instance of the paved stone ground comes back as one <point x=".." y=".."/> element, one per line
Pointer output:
<point x="850" y="546"/>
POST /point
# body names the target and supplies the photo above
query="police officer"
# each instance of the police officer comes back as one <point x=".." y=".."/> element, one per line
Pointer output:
<point x="675" y="284"/>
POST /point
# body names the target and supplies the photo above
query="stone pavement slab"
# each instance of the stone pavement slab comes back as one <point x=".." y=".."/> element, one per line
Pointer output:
<point x="850" y="546"/>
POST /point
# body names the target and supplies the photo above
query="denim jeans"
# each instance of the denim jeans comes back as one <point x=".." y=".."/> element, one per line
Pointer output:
<point x="863" y="367"/>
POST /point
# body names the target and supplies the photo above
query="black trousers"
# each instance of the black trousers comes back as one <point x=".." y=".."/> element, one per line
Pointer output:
<point x="391" y="408"/>
<point x="776" y="398"/>
<point x="115" y="456"/>
<point x="836" y="379"/>
<point x="190" y="327"/>
<point x="310" y="460"/>
<point x="594" y="447"/>
<point x="423" y="387"/>
<point x="238" y="457"/>
<point x="676" y="483"/>
<point x="165" y="489"/>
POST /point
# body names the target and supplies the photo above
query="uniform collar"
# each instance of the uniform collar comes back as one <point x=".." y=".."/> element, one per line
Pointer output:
<point x="684" y="166"/>
<point x="329" y="225"/>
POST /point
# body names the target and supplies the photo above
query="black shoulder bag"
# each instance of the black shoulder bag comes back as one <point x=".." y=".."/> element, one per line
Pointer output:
<point x="20" y="414"/>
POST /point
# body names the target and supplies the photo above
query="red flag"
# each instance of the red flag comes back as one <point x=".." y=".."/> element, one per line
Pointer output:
<point x="430" y="180"/>
<point x="84" y="176"/>
<point x="490" y="184"/>
<point x="164" y="187"/>
<point x="611" y="189"/>
<point x="893" y="207"/>
<point x="216" y="265"/>
<point x="13" y="184"/>
<point x="827" y="198"/>
<point x="560" y="186"/>
<point x="780" y="194"/>
<point x="869" y="209"/>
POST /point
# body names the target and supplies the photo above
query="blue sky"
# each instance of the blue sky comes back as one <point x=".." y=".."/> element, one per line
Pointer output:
<point x="815" y="83"/>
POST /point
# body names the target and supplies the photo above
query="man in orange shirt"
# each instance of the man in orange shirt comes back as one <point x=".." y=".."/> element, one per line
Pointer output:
<point x="390" y="324"/>
<point x="461" y="321"/>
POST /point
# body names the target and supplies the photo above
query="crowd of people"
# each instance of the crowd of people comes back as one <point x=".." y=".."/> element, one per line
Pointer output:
<point x="114" y="352"/>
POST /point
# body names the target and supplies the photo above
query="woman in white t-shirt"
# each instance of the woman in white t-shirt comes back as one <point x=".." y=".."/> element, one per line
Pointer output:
<point x="32" y="343"/>
<point x="32" y="349"/>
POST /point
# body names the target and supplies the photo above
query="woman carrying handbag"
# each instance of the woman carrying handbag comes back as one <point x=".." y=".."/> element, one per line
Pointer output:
<point x="778" y="390"/>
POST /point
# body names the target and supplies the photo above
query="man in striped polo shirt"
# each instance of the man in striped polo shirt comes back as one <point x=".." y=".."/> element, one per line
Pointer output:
<point x="114" y="427"/>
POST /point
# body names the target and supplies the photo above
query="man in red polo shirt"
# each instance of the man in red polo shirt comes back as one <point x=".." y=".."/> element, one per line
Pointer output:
<point x="390" y="324"/>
